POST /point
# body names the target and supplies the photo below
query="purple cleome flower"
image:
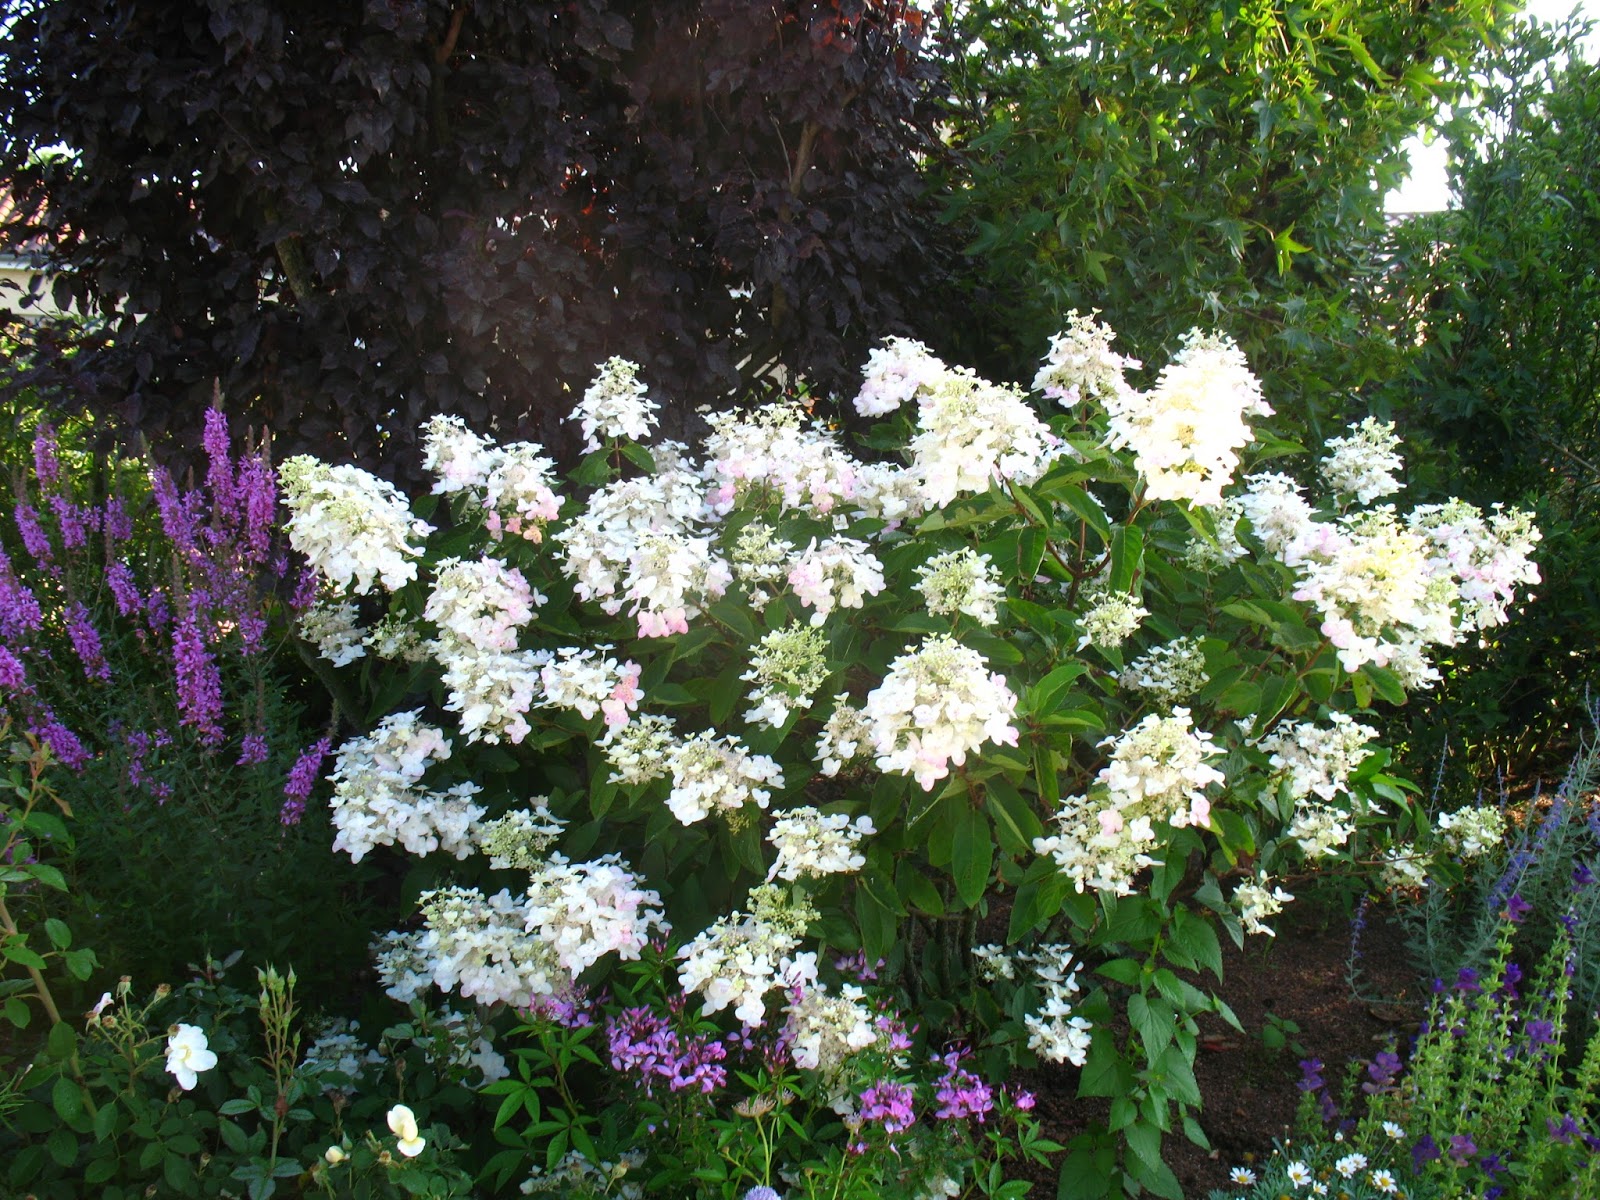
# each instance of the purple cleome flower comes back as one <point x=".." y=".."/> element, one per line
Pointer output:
<point x="961" y="1094"/>
<point x="889" y="1103"/>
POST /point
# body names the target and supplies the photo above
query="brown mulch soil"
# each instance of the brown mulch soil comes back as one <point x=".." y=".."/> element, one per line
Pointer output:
<point x="1249" y="1091"/>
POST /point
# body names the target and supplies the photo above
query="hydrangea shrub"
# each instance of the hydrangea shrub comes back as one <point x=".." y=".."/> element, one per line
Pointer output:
<point x="1074" y="675"/>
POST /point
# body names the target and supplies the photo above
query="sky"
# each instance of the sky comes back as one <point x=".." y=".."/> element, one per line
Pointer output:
<point x="1427" y="189"/>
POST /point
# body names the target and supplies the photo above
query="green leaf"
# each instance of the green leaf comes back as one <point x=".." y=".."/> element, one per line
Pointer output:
<point x="1036" y="901"/>
<point x="1085" y="508"/>
<point x="1127" y="557"/>
<point x="56" y="930"/>
<point x="19" y="953"/>
<point x="1154" y="1022"/>
<point x="1385" y="682"/>
<point x="1105" y="1073"/>
<point x="1144" y="1139"/>
<point x="972" y="855"/>
<point x="1014" y="819"/>
<point x="233" y="1108"/>
<point x="1044" y="696"/>
<point x="1195" y="936"/>
<point x="66" y="1097"/>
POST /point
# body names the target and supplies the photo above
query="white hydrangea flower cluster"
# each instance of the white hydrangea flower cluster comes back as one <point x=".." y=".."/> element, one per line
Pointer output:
<point x="1055" y="1032"/>
<point x="334" y="628"/>
<point x="824" y="1031"/>
<point x="761" y="559"/>
<point x="1369" y="577"/>
<point x="961" y="581"/>
<point x="396" y="637"/>
<point x="481" y="604"/>
<point x="616" y="405"/>
<point x="517" y="496"/>
<point x="1082" y="366"/>
<point x="1158" y="772"/>
<point x="1209" y="556"/>
<point x="1110" y="619"/>
<point x="775" y="451"/>
<point x="1401" y="868"/>
<point x="1320" y="830"/>
<point x="787" y="666"/>
<point x="638" y="751"/>
<point x="492" y="690"/>
<point x="479" y="946"/>
<point x="402" y="968"/>
<point x="353" y="528"/>
<point x="1279" y="515"/>
<point x="837" y="573"/>
<point x="970" y="432"/>
<point x="811" y="844"/>
<point x="575" y="1175"/>
<point x="339" y="1051"/>
<point x="1485" y="557"/>
<point x="640" y="543"/>
<point x="888" y="492"/>
<point x="510" y="484"/>
<point x="519" y="840"/>
<point x="1187" y="431"/>
<point x="994" y="962"/>
<point x="1363" y="462"/>
<point x="741" y="958"/>
<point x="712" y="774"/>
<point x="845" y="738"/>
<point x="1471" y="832"/>
<point x="1168" y="673"/>
<point x="672" y="576"/>
<point x="459" y="459"/>
<point x="584" y="911"/>
<point x="938" y="703"/>
<point x="1256" y="902"/>
<point x="1317" y="760"/>
<point x="894" y="374"/>
<point x="377" y="801"/>
<point x="591" y="682"/>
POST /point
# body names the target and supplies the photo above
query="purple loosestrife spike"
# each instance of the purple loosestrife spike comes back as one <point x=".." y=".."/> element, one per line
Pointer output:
<point x="199" y="684"/>
<point x="115" y="521"/>
<point x="19" y="608"/>
<point x="46" y="463"/>
<point x="86" y="642"/>
<point x="13" y="675"/>
<point x="179" y="513"/>
<point x="252" y="750"/>
<point x="63" y="743"/>
<point x="34" y="538"/>
<point x="302" y="779"/>
<point x="258" y="487"/>
<point x="123" y="589"/>
<point x="219" y="476"/>
<point x="73" y="523"/>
